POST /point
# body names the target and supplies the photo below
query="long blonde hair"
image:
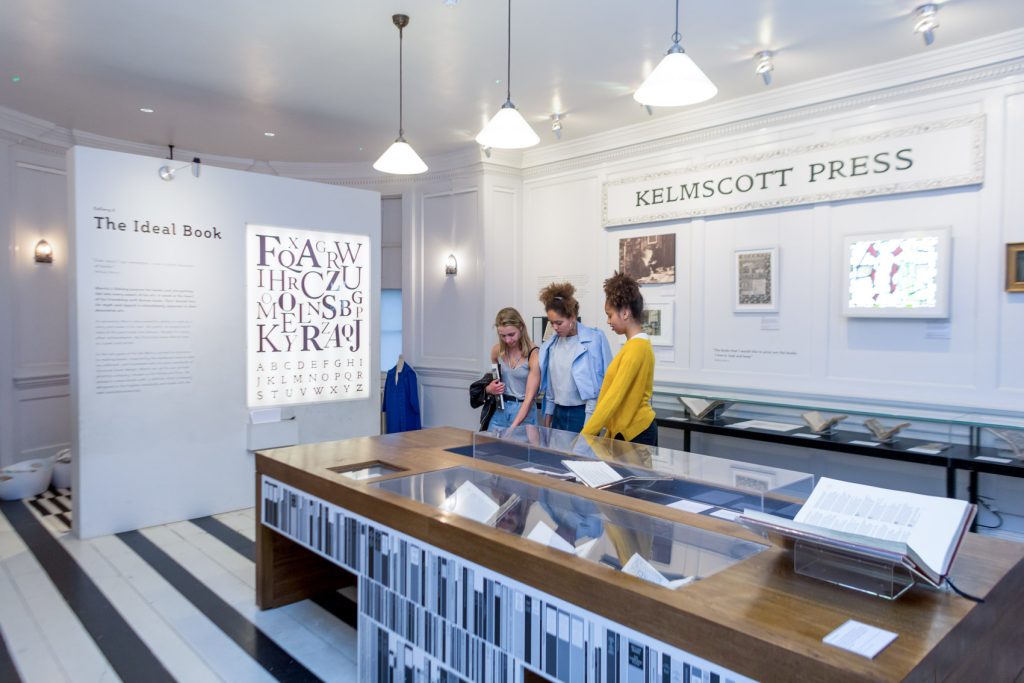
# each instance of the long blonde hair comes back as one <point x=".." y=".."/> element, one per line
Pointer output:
<point x="509" y="317"/>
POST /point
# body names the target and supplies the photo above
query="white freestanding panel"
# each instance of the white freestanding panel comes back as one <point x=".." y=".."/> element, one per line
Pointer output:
<point x="159" y="329"/>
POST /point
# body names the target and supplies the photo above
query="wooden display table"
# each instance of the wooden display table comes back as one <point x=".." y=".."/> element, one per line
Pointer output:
<point x="754" y="620"/>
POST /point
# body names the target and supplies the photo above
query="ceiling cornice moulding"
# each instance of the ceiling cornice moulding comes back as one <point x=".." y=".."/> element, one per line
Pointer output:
<point x="945" y="63"/>
<point x="709" y="130"/>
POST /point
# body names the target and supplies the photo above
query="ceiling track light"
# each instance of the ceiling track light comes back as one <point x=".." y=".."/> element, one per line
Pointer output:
<point x="167" y="173"/>
<point x="400" y="158"/>
<point x="926" y="20"/>
<point x="556" y="125"/>
<point x="764" y="65"/>
<point x="677" y="80"/>
<point x="508" y="129"/>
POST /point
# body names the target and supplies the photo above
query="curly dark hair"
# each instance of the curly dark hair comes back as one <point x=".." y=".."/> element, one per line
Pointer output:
<point x="621" y="291"/>
<point x="558" y="297"/>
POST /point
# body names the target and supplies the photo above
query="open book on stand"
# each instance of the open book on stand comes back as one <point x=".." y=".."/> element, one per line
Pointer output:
<point x="700" y="408"/>
<point x="921" y="533"/>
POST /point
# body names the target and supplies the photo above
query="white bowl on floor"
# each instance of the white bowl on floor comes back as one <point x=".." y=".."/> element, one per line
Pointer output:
<point x="25" y="479"/>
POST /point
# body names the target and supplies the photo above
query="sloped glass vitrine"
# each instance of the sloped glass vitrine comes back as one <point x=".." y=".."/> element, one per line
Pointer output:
<point x="689" y="481"/>
<point x="658" y="550"/>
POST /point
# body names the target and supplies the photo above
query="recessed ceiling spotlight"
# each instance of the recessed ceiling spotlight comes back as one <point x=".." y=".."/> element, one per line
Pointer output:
<point x="270" y="134"/>
<point x="926" y="21"/>
<point x="15" y="79"/>
<point x="146" y="110"/>
<point x="451" y="3"/>
<point x="764" y="65"/>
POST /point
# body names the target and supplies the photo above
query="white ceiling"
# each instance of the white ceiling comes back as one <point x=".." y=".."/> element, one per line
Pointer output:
<point x="324" y="75"/>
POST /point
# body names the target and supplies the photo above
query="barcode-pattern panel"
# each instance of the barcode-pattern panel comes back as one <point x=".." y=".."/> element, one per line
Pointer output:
<point x="428" y="616"/>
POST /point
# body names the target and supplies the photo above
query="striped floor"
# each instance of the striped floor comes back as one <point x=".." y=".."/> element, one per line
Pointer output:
<point x="173" y="602"/>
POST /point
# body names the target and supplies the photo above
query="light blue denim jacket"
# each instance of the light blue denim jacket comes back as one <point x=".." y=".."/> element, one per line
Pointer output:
<point x="588" y="366"/>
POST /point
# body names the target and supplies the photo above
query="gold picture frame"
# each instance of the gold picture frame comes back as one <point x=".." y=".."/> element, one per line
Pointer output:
<point x="1015" y="267"/>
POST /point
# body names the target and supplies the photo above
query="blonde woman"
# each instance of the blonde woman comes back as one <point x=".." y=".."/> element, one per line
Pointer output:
<point x="517" y="360"/>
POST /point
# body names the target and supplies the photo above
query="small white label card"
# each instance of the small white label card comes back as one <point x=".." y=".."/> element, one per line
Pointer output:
<point x="862" y="639"/>
<point x="808" y="435"/>
<point x="989" y="458"/>
<point x="765" y="425"/>
<point x="865" y="443"/>
<point x="593" y="473"/>
<point x="928" y="449"/>
<point x="722" y="513"/>
<point x="690" y="506"/>
<point x="769" y="322"/>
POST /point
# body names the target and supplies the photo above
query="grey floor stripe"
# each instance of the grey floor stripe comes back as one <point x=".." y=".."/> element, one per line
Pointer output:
<point x="128" y="655"/>
<point x="246" y="635"/>
<point x="333" y="602"/>
<point x="7" y="670"/>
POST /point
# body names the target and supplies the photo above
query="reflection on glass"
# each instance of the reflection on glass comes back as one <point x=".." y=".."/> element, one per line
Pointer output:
<point x="601" y="533"/>
<point x="656" y="474"/>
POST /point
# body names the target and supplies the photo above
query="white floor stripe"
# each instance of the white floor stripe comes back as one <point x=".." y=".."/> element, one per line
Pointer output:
<point x="48" y="643"/>
<point x="329" y="654"/>
<point x="71" y="649"/>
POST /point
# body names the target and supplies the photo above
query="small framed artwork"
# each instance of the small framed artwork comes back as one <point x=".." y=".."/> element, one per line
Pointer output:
<point x="658" y="324"/>
<point x="897" y="274"/>
<point x="756" y="273"/>
<point x="650" y="260"/>
<point x="1015" y="267"/>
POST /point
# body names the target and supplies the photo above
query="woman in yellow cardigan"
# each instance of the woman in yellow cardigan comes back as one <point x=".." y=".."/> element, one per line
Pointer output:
<point x="624" y="404"/>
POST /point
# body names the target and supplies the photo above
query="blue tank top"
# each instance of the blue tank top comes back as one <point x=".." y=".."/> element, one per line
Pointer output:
<point x="515" y="378"/>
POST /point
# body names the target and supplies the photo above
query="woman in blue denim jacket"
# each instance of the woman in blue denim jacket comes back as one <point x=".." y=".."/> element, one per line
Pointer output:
<point x="572" y="363"/>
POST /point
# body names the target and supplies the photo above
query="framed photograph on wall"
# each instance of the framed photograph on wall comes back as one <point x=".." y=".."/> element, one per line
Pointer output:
<point x="650" y="259"/>
<point x="897" y="274"/>
<point x="1015" y="267"/>
<point x="658" y="324"/>
<point x="756" y="274"/>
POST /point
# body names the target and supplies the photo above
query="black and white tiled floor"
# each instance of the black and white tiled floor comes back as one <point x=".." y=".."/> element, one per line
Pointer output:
<point x="172" y="602"/>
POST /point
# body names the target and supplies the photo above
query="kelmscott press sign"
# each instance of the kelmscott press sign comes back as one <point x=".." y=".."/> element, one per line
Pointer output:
<point x="927" y="156"/>
<point x="308" y="316"/>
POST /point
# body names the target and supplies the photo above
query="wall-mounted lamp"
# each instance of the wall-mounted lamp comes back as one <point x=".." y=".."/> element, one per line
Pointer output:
<point x="451" y="266"/>
<point x="167" y="173"/>
<point x="44" y="252"/>
<point x="764" y="65"/>
<point x="926" y="20"/>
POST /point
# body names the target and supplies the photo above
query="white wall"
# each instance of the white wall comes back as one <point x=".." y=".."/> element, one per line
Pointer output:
<point x="34" y="405"/>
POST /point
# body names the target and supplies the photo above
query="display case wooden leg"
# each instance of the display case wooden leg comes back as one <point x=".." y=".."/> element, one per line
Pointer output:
<point x="287" y="572"/>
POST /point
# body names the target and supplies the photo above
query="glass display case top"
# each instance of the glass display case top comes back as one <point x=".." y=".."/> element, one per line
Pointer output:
<point x="945" y="417"/>
<point x="661" y="551"/>
<point x="692" y="482"/>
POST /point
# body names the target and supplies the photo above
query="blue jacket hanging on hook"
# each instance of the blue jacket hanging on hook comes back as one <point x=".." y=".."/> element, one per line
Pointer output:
<point x="401" y="403"/>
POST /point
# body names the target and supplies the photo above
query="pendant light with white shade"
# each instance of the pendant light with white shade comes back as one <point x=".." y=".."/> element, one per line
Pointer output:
<point x="677" y="80"/>
<point x="508" y="129"/>
<point x="400" y="158"/>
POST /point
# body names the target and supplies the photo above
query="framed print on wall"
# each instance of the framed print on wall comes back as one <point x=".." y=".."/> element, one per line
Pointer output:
<point x="756" y="273"/>
<point x="650" y="260"/>
<point x="1015" y="267"/>
<point x="897" y="274"/>
<point x="658" y="324"/>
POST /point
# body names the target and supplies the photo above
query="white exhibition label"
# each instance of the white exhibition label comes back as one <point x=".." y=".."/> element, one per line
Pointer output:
<point x="308" y="304"/>
<point x="765" y="425"/>
<point x="862" y="639"/>
<point x="926" y="156"/>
